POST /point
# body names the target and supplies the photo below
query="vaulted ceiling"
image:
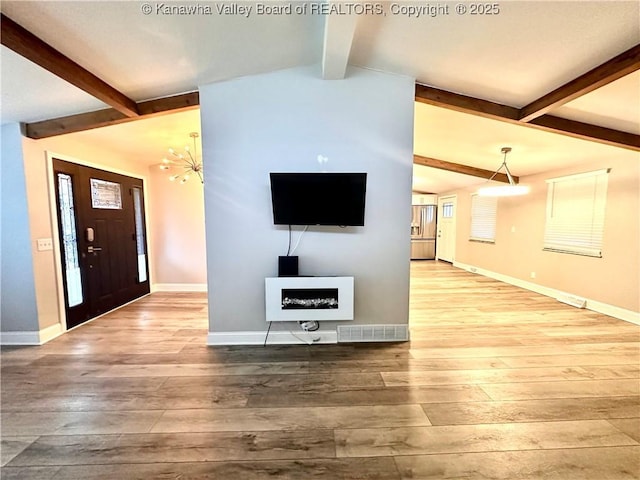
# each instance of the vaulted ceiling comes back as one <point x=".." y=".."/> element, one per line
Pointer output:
<point x="510" y="58"/>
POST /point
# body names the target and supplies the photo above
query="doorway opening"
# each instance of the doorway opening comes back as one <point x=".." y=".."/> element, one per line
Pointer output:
<point x="102" y="239"/>
<point x="446" y="228"/>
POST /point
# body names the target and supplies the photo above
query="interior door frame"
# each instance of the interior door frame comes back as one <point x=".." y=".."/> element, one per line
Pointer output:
<point x="55" y="231"/>
<point x="441" y="201"/>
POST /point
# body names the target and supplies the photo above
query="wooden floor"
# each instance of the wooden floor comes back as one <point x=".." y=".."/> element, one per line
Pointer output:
<point x="497" y="383"/>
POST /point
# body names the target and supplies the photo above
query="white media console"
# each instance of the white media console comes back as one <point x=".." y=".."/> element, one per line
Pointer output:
<point x="292" y="299"/>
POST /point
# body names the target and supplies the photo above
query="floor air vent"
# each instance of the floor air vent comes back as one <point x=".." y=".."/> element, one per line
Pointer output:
<point x="373" y="333"/>
<point x="572" y="300"/>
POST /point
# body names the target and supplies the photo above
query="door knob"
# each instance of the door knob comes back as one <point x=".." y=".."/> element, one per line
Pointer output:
<point x="93" y="249"/>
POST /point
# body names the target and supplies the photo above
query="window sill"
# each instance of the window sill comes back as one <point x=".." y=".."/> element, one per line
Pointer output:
<point x="570" y="252"/>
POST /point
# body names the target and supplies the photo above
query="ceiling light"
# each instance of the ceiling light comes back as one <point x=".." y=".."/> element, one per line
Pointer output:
<point x="504" y="190"/>
<point x="187" y="162"/>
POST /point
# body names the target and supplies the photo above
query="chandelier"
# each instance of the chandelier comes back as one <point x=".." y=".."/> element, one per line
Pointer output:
<point x="504" y="190"/>
<point x="187" y="162"/>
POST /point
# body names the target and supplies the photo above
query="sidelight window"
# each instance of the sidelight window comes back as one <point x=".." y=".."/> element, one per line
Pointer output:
<point x="69" y="240"/>
<point x="140" y="236"/>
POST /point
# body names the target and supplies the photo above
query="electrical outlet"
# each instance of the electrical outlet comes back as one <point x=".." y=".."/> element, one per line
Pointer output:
<point x="45" y="244"/>
<point x="533" y="274"/>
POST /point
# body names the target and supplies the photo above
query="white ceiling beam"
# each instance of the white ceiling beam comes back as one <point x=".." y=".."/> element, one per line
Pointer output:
<point x="338" y="37"/>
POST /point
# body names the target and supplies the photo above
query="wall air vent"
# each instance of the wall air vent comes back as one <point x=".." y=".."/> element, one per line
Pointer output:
<point x="373" y="333"/>
<point x="572" y="300"/>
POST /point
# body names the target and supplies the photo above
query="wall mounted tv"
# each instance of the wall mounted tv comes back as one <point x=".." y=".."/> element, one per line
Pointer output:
<point x="318" y="198"/>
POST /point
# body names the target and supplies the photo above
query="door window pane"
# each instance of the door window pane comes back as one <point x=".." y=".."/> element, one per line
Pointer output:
<point x="140" y="237"/>
<point x="447" y="210"/>
<point x="69" y="240"/>
<point x="105" y="194"/>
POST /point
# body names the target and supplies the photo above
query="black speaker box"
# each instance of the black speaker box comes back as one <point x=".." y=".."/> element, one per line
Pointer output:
<point x="288" y="266"/>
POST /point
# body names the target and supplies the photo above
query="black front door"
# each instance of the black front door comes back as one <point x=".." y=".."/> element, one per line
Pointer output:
<point x="102" y="239"/>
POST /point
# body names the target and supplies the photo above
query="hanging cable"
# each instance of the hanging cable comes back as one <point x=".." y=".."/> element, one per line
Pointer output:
<point x="267" y="335"/>
<point x="299" y="238"/>
<point x="289" y="247"/>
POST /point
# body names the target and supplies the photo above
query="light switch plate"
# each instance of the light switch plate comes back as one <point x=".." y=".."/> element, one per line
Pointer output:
<point x="45" y="244"/>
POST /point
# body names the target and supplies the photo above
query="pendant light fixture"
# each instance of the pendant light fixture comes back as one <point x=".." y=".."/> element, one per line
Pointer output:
<point x="504" y="190"/>
<point x="188" y="162"/>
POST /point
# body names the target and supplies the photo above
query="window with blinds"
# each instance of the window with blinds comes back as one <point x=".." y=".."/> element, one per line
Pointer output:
<point x="483" y="218"/>
<point x="575" y="213"/>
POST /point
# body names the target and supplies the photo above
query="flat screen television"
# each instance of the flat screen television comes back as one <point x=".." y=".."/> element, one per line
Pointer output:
<point x="318" y="198"/>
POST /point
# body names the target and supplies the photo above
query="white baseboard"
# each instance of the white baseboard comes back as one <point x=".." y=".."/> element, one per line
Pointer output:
<point x="600" y="307"/>
<point x="31" y="338"/>
<point x="50" y="333"/>
<point x="179" y="287"/>
<point x="275" y="338"/>
<point x="613" y="311"/>
<point x="20" y="338"/>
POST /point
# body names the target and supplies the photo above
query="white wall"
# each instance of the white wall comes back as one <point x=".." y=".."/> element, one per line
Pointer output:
<point x="281" y="122"/>
<point x="613" y="279"/>
<point x="17" y="295"/>
<point x="176" y="232"/>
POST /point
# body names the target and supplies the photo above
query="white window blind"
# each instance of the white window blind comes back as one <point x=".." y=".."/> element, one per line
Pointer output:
<point x="483" y="218"/>
<point x="575" y="213"/>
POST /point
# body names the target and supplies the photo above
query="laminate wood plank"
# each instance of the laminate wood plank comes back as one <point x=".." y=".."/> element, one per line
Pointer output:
<point x="224" y="397"/>
<point x="273" y="397"/>
<point x="584" y="388"/>
<point x="630" y="348"/>
<point x="576" y="331"/>
<point x="425" y="341"/>
<point x="556" y="409"/>
<point x="613" y="371"/>
<point x="204" y="355"/>
<point x="361" y="366"/>
<point x="478" y="438"/>
<point x="560" y="341"/>
<point x="179" y="447"/>
<point x="382" y="468"/>
<point x="205" y="370"/>
<point x="57" y="385"/>
<point x="476" y="377"/>
<point x="26" y="373"/>
<point x="583" y="360"/>
<point x="11" y="446"/>
<point x="316" y="381"/>
<point x="116" y="347"/>
<point x="30" y="473"/>
<point x="529" y="329"/>
<point x="248" y="354"/>
<point x="263" y="419"/>
<point x="600" y="463"/>
<point x="628" y="426"/>
<point x="17" y="356"/>
<point x="76" y="423"/>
